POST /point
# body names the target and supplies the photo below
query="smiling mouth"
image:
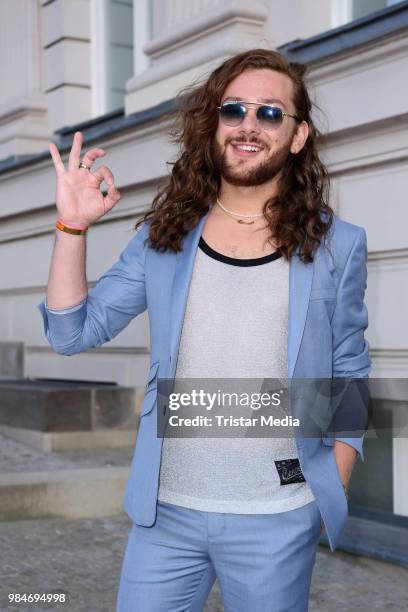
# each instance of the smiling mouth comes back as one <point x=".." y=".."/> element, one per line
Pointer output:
<point x="246" y="150"/>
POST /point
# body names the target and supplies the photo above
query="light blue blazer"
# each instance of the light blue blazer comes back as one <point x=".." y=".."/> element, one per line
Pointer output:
<point x="327" y="320"/>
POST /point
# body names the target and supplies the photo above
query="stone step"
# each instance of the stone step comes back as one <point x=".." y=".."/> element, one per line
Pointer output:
<point x="62" y="415"/>
<point x="377" y="534"/>
<point x="48" y="405"/>
<point x="71" y="441"/>
<point x="76" y="493"/>
<point x="35" y="484"/>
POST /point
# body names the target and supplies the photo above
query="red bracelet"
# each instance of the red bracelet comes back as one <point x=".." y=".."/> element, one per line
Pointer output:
<point x="77" y="230"/>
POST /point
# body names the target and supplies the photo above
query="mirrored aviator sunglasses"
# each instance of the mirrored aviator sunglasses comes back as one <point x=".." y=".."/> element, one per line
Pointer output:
<point x="269" y="117"/>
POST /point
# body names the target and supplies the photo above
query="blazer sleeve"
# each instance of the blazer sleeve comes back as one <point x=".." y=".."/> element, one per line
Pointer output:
<point x="350" y="319"/>
<point x="118" y="297"/>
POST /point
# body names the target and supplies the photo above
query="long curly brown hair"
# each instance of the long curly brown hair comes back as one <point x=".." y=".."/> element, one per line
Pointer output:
<point x="299" y="216"/>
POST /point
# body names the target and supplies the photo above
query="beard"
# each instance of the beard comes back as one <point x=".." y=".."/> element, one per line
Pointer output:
<point x="243" y="174"/>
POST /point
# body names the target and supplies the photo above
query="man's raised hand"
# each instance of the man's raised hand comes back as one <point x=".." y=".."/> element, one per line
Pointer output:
<point x="79" y="198"/>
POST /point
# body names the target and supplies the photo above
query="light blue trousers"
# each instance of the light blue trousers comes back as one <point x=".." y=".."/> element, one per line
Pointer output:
<point x="263" y="562"/>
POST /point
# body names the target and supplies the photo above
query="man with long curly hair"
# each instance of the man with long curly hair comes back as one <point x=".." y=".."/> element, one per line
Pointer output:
<point x="246" y="274"/>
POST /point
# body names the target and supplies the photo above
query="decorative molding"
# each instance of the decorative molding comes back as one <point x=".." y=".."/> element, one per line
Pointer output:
<point x="388" y="353"/>
<point x="65" y="38"/>
<point x="194" y="45"/>
<point x="342" y="65"/>
<point x="36" y="231"/>
<point x="228" y="12"/>
<point x="67" y="84"/>
<point x="106" y="350"/>
<point x="113" y="124"/>
<point x="389" y="363"/>
<point x="375" y="143"/>
<point x="24" y="119"/>
<point x="391" y="256"/>
<point x="346" y="39"/>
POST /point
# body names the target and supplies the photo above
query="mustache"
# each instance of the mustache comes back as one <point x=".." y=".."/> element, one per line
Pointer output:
<point x="246" y="140"/>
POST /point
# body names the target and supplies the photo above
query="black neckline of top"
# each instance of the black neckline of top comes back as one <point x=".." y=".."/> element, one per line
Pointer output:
<point x="234" y="261"/>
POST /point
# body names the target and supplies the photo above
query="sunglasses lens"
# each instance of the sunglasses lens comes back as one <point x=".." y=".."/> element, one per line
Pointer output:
<point x="232" y="114"/>
<point x="269" y="116"/>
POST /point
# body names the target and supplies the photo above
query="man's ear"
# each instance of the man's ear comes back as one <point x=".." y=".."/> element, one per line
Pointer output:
<point x="299" y="138"/>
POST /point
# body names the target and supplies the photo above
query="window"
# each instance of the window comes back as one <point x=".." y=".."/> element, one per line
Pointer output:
<point x="361" y="8"/>
<point x="111" y="52"/>
<point x="344" y="11"/>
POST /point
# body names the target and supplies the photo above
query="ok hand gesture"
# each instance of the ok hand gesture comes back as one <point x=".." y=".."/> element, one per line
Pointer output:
<point x="79" y="199"/>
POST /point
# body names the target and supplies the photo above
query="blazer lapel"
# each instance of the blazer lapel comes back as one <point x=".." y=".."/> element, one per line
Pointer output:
<point x="300" y="284"/>
<point x="179" y="292"/>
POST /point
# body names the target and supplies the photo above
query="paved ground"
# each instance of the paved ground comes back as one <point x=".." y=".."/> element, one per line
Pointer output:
<point x="83" y="559"/>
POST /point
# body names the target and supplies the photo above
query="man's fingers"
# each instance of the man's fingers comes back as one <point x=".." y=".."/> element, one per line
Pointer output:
<point x="104" y="174"/>
<point x="75" y="152"/>
<point x="111" y="198"/>
<point x="91" y="155"/>
<point x="56" y="158"/>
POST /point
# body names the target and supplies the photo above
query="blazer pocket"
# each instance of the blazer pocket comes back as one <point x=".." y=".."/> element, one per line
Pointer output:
<point x="324" y="293"/>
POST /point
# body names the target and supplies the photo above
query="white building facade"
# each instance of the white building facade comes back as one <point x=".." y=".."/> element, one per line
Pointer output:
<point x="111" y="69"/>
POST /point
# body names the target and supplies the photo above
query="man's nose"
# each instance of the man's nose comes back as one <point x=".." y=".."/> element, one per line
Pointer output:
<point x="250" y="122"/>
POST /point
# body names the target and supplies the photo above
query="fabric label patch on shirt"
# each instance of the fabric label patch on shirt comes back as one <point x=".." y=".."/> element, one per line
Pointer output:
<point x="289" y="471"/>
